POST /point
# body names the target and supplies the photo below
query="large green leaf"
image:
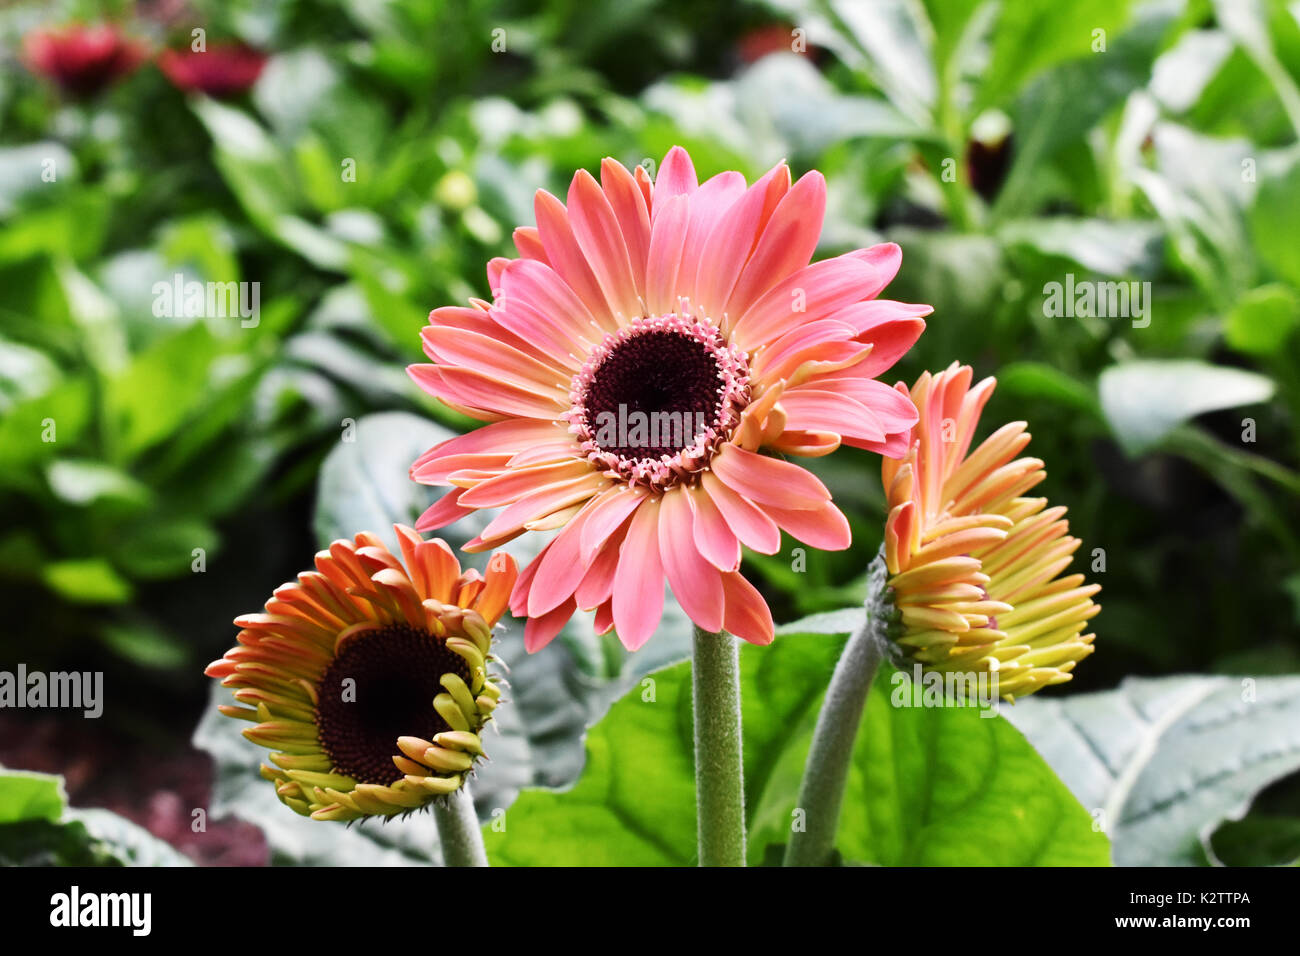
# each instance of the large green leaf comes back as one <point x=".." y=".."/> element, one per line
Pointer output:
<point x="1272" y="222"/>
<point x="37" y="828"/>
<point x="933" y="786"/>
<point x="1145" y="400"/>
<point x="1031" y="36"/>
<point x="1167" y="760"/>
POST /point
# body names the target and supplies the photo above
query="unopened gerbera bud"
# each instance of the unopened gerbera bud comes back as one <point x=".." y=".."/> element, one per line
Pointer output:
<point x="369" y="676"/>
<point x="975" y="565"/>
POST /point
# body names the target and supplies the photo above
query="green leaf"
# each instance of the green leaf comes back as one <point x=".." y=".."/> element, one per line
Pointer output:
<point x="84" y="482"/>
<point x="24" y="171"/>
<point x="30" y="796"/>
<point x="1272" y="222"/>
<point x="1059" y="108"/>
<point x="163" y="547"/>
<point x="37" y="828"/>
<point x="161" y="387"/>
<point x="1258" y="841"/>
<point x="254" y="167"/>
<point x="128" y="842"/>
<point x="1167" y="760"/>
<point x="843" y="621"/>
<point x="1101" y="246"/>
<point x="1036" y="380"/>
<point x="1262" y="320"/>
<point x="365" y="482"/>
<point x="1032" y="35"/>
<point x="38" y="427"/>
<point x="145" y="645"/>
<point x="946" y="786"/>
<point x="1146" y="400"/>
<point x="87" y="581"/>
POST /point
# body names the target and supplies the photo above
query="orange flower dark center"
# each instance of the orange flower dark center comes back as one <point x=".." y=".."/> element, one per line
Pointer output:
<point x="656" y="398"/>
<point x="380" y="687"/>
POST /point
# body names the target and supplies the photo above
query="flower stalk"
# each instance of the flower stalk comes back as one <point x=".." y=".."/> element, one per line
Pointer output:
<point x="719" y="768"/>
<point x="459" y="831"/>
<point x="821" y="794"/>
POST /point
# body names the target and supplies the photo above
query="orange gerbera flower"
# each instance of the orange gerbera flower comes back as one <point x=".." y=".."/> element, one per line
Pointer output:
<point x="974" y="565"/>
<point x="368" y="676"/>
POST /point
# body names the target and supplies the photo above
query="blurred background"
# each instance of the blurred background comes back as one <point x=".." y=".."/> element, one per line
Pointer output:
<point x="360" y="161"/>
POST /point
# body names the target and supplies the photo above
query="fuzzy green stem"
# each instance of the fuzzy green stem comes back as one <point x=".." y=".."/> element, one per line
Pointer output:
<point x="719" y="771"/>
<point x="459" y="830"/>
<point x="821" y="794"/>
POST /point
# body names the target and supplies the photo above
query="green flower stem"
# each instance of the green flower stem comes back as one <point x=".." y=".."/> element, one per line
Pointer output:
<point x="821" y="794"/>
<point x="719" y="771"/>
<point x="459" y="830"/>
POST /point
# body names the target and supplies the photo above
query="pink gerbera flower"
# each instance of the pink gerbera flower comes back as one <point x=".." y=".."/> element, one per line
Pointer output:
<point x="223" y="70"/>
<point x="649" y="345"/>
<point x="83" y="60"/>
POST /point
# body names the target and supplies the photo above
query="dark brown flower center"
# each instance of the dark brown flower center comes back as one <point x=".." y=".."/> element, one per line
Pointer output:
<point x="656" y="377"/>
<point x="380" y="687"/>
<point x="656" y="397"/>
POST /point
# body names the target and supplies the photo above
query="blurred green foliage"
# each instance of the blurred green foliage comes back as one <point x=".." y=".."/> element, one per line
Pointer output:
<point x="389" y="148"/>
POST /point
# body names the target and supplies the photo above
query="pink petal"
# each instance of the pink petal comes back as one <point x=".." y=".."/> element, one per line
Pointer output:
<point x="494" y="269"/>
<point x="814" y="292"/>
<point x="442" y="512"/>
<point x="784" y="355"/>
<point x="733" y="238"/>
<point x="475" y="390"/>
<point x="492" y="357"/>
<point x="754" y="528"/>
<point x="517" y="482"/>
<point x="713" y="536"/>
<point x="504" y="438"/>
<point x="561" y="570"/>
<point x="787" y="243"/>
<point x="825" y="528"/>
<point x="639" y="581"/>
<point x="524" y="584"/>
<point x="484" y="322"/>
<point x="597" y="585"/>
<point x="893" y="410"/>
<point x="808" y="409"/>
<point x="884" y="259"/>
<point x="540" y="631"/>
<point x="598" y="234"/>
<point x="676" y="178"/>
<point x="696" y="583"/>
<point x="529" y="243"/>
<point x="604" y="620"/>
<point x="747" y="614"/>
<point x="645" y="184"/>
<point x="767" y="480"/>
<point x="607" y="517"/>
<point x="566" y="257"/>
<point x="633" y="214"/>
<point x="535" y="505"/>
<point x="890" y="327"/>
<point x="437" y="472"/>
<point x="709" y="206"/>
<point x="666" y="238"/>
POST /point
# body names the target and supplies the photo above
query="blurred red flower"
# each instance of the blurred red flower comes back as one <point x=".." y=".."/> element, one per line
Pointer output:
<point x="82" y="59"/>
<point x="223" y="70"/>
